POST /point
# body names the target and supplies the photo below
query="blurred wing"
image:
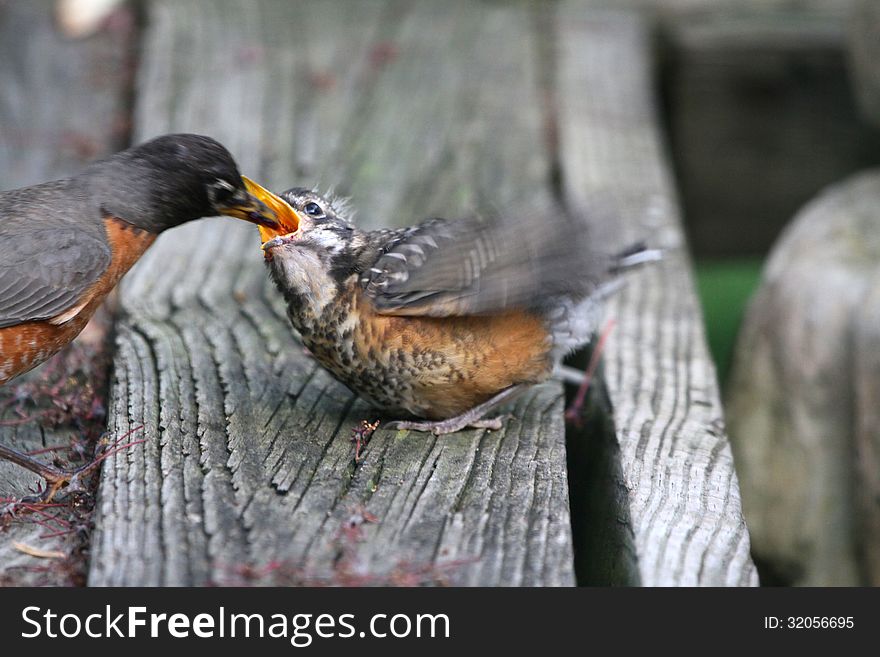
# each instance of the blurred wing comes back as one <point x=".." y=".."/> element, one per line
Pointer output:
<point x="45" y="272"/>
<point x="484" y="265"/>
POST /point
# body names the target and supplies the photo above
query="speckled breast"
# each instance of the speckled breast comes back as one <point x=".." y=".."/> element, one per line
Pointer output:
<point x="430" y="367"/>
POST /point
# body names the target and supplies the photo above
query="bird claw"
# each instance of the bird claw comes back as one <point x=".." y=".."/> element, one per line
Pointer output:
<point x="61" y="484"/>
<point x="492" y="423"/>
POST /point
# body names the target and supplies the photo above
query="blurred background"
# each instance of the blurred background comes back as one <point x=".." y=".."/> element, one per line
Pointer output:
<point x="765" y="105"/>
<point x="771" y="114"/>
<point x="773" y="122"/>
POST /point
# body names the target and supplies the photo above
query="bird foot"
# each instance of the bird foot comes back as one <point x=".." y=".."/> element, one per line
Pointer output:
<point x="449" y="426"/>
<point x="58" y="480"/>
<point x="475" y="417"/>
<point x="490" y="423"/>
<point x="70" y="481"/>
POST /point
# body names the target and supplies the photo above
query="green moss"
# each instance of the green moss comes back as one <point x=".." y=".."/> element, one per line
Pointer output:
<point x="725" y="287"/>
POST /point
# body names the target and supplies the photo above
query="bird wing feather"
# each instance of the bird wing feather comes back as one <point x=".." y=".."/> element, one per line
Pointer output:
<point x="43" y="272"/>
<point x="483" y="264"/>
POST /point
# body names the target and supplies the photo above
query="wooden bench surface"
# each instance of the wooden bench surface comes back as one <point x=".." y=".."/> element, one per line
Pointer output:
<point x="411" y="109"/>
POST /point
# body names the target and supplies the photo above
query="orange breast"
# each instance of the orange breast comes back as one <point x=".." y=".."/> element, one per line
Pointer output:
<point x="26" y="345"/>
<point x="456" y="363"/>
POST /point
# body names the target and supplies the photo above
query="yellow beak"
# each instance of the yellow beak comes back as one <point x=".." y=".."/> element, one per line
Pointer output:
<point x="287" y="218"/>
<point x="243" y="205"/>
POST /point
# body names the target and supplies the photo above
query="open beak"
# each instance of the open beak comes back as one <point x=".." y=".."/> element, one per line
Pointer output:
<point x="243" y="205"/>
<point x="247" y="206"/>
<point x="287" y="219"/>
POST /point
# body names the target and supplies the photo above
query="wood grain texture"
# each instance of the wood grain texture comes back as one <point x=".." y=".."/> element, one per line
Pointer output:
<point x="62" y="104"/>
<point x="803" y="404"/>
<point x="675" y="485"/>
<point x="16" y="482"/>
<point x="249" y="459"/>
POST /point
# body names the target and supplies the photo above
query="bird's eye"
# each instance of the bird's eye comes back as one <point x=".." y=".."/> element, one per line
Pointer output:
<point x="313" y="209"/>
<point x="221" y="191"/>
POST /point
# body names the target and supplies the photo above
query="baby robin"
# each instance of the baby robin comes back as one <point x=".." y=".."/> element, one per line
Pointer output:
<point x="64" y="245"/>
<point x="441" y="322"/>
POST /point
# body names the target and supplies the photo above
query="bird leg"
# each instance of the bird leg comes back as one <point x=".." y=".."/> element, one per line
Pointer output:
<point x="69" y="480"/>
<point x="471" y="418"/>
<point x="56" y="478"/>
<point x="573" y="412"/>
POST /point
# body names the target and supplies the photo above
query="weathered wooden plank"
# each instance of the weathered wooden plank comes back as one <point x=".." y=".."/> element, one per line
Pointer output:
<point x="803" y="407"/>
<point x="62" y="103"/>
<point x="249" y="459"/>
<point x="676" y="486"/>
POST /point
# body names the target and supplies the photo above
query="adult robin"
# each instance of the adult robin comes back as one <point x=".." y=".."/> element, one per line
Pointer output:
<point x="441" y="322"/>
<point x="64" y="245"/>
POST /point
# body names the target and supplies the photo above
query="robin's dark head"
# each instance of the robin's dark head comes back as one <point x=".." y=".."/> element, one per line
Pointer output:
<point x="174" y="179"/>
